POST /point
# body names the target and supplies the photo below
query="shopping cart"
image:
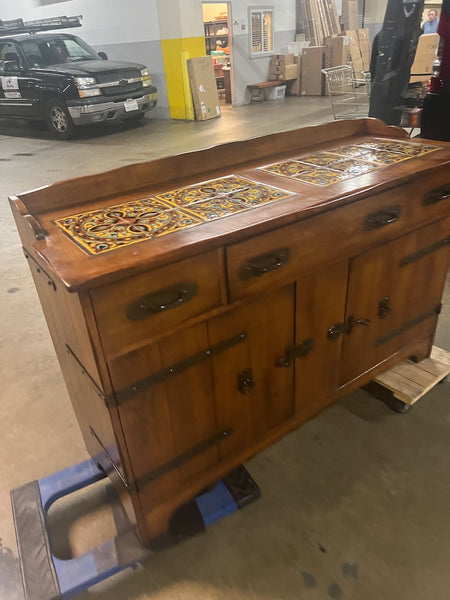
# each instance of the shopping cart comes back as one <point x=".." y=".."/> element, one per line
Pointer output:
<point x="350" y="96"/>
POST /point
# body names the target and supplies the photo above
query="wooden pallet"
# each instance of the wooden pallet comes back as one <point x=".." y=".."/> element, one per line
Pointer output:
<point x="409" y="381"/>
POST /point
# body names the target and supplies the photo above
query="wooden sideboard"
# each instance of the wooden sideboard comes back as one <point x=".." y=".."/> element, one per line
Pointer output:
<point x="204" y="305"/>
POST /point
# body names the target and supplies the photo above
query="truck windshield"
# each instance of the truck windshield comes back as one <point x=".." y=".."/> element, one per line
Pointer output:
<point x="54" y="51"/>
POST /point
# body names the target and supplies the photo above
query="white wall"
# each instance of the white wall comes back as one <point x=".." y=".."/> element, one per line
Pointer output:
<point x="104" y="22"/>
<point x="253" y="70"/>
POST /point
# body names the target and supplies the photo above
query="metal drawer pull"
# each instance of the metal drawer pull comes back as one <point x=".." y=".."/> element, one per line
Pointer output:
<point x="382" y="218"/>
<point x="264" y="263"/>
<point x="436" y="195"/>
<point x="162" y="300"/>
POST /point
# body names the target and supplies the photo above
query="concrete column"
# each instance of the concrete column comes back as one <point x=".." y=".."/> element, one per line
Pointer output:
<point x="182" y="37"/>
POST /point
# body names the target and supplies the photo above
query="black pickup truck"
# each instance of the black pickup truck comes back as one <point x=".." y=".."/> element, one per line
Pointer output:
<point x="59" y="78"/>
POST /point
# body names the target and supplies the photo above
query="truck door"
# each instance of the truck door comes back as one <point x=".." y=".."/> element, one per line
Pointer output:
<point x="15" y="90"/>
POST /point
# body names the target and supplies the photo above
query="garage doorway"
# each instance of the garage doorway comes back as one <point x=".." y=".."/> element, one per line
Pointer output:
<point x="218" y="43"/>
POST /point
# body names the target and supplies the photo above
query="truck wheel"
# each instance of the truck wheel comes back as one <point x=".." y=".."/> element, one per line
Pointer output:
<point x="58" y="120"/>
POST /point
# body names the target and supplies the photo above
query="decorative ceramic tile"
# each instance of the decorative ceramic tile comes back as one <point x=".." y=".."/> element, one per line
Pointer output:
<point x="352" y="167"/>
<point x="320" y="176"/>
<point x="214" y="188"/>
<point x="319" y="159"/>
<point x="344" y="162"/>
<point x="288" y="168"/>
<point x="117" y="226"/>
<point x="358" y="152"/>
<point x="113" y="227"/>
<point x="404" y="148"/>
<point x="215" y="208"/>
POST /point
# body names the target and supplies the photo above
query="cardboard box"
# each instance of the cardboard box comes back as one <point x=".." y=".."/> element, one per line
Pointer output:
<point x="355" y="52"/>
<point x="203" y="88"/>
<point x="337" y="51"/>
<point x="312" y="64"/>
<point x="278" y="64"/>
<point x="364" y="47"/>
<point x="290" y="72"/>
<point x="295" y="89"/>
<point x="350" y="18"/>
<point x="426" y="53"/>
<point x="296" y="48"/>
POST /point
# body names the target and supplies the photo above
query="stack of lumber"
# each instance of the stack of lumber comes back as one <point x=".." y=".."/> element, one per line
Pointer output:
<point x="320" y="20"/>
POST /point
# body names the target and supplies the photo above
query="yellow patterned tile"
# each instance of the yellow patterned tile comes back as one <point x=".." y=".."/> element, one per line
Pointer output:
<point x="405" y="148"/>
<point x="319" y="159"/>
<point x="353" y="167"/>
<point x="214" y="188"/>
<point x="121" y="225"/>
<point x="117" y="226"/>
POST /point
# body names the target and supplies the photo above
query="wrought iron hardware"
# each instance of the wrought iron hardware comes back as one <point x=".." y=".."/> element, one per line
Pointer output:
<point x="264" y="263"/>
<point x="179" y="460"/>
<point x="395" y="332"/>
<point x="40" y="270"/>
<point x="109" y="457"/>
<point x="161" y="300"/>
<point x="38" y="232"/>
<point x="335" y="331"/>
<point x="245" y="381"/>
<point x="436" y="195"/>
<point x="300" y="351"/>
<point x="338" y="329"/>
<point x="177" y="368"/>
<point x="85" y="372"/>
<point x="384" y="307"/>
<point x="351" y="322"/>
<point x="382" y="218"/>
<point x="415" y="256"/>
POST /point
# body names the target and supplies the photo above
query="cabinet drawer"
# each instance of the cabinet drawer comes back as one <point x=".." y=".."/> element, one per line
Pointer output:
<point x="282" y="255"/>
<point x="137" y="309"/>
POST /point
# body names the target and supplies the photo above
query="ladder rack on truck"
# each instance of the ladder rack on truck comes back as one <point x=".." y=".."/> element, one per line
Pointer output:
<point x="20" y="26"/>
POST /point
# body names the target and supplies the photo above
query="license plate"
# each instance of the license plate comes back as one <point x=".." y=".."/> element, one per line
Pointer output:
<point x="130" y="105"/>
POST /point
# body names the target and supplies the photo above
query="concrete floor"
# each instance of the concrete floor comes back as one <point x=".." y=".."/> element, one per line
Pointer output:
<point x="354" y="504"/>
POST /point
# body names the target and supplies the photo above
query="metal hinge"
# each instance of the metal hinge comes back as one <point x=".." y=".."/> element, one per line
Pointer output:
<point x="179" y="460"/>
<point x="84" y="371"/>
<point x="39" y="269"/>
<point x="395" y="332"/>
<point x="415" y="256"/>
<point x="122" y="396"/>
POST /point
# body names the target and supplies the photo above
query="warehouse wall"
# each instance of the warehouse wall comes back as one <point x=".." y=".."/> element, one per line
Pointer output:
<point x="144" y="32"/>
<point x="253" y="70"/>
<point x="124" y="30"/>
<point x="374" y="17"/>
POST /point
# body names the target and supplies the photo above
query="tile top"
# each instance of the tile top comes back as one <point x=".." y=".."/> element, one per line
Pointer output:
<point x="113" y="227"/>
<point x="346" y="162"/>
<point x="106" y="229"/>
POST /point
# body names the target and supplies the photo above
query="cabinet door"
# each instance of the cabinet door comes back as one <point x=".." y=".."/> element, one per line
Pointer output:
<point x="394" y="297"/>
<point x="210" y="390"/>
<point x="253" y="394"/>
<point x="165" y="398"/>
<point x="320" y="305"/>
